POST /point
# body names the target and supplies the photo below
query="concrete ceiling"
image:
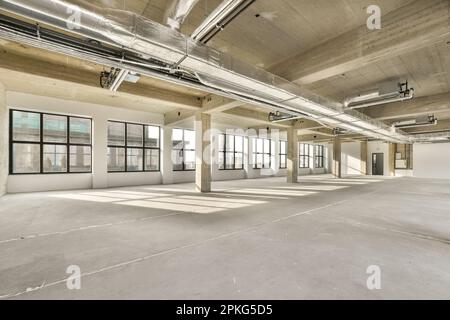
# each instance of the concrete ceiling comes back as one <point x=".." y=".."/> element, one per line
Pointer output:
<point x="321" y="37"/>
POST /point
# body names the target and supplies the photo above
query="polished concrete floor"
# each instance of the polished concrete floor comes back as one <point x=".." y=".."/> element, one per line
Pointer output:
<point x="249" y="239"/>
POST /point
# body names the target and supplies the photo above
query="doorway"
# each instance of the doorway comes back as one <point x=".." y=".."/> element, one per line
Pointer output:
<point x="377" y="164"/>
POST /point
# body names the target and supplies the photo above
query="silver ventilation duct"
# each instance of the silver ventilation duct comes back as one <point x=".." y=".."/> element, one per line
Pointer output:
<point x="177" y="12"/>
<point x="215" y="69"/>
<point x="219" y="19"/>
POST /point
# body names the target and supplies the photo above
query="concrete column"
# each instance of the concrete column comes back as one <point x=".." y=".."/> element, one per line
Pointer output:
<point x="203" y="152"/>
<point x="391" y="156"/>
<point x="364" y="162"/>
<point x="100" y="145"/>
<point x="166" y="154"/>
<point x="3" y="140"/>
<point x="292" y="155"/>
<point x="336" y="167"/>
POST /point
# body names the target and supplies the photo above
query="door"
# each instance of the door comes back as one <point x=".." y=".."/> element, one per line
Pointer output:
<point x="377" y="164"/>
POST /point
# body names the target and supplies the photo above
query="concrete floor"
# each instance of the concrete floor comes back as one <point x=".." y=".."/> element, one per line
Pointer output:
<point x="249" y="239"/>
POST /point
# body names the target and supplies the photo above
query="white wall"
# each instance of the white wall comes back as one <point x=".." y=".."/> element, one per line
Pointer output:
<point x="431" y="161"/>
<point x="351" y="158"/>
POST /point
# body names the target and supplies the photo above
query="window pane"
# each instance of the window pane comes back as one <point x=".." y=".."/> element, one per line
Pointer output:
<point x="177" y="160"/>
<point x="189" y="139"/>
<point x="26" y="158"/>
<point x="259" y="145"/>
<point x="229" y="159"/>
<point x="116" y="159"/>
<point x="283" y="162"/>
<point x="239" y="144"/>
<point x="282" y="147"/>
<point x="55" y="158"/>
<point x="221" y="161"/>
<point x="80" y="159"/>
<point x="80" y="130"/>
<point x="152" y="136"/>
<point x="259" y="160"/>
<point x="189" y="160"/>
<point x="135" y="133"/>
<point x="266" y="146"/>
<point x="266" y="161"/>
<point x="177" y="139"/>
<point x="116" y="133"/>
<point x="239" y="161"/>
<point x="135" y="159"/>
<point x="26" y="126"/>
<point x="221" y="142"/>
<point x="230" y="143"/>
<point x="152" y="160"/>
<point x="55" y="128"/>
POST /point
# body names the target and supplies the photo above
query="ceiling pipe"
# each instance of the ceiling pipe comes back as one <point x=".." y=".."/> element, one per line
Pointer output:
<point x="177" y="12"/>
<point x="226" y="12"/>
<point x="120" y="78"/>
<point x="132" y="33"/>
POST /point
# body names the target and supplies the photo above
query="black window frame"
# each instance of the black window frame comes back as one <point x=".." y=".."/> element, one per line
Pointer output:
<point x="319" y="151"/>
<point x="182" y="150"/>
<point x="264" y="153"/>
<point x="234" y="152"/>
<point x="283" y="154"/>
<point x="143" y="148"/>
<point x="305" y="156"/>
<point x="41" y="143"/>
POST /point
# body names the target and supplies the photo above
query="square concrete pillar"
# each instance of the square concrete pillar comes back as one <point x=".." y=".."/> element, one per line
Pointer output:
<point x="166" y="156"/>
<point x="392" y="149"/>
<point x="364" y="162"/>
<point x="292" y="155"/>
<point x="100" y="145"/>
<point x="336" y="167"/>
<point x="4" y="136"/>
<point x="203" y="152"/>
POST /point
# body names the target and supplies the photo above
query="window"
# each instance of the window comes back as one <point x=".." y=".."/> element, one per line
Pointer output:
<point x="283" y="154"/>
<point x="231" y="152"/>
<point x="133" y="147"/>
<point x="304" y="155"/>
<point x="319" y="156"/>
<point x="262" y="153"/>
<point x="49" y="143"/>
<point x="183" y="150"/>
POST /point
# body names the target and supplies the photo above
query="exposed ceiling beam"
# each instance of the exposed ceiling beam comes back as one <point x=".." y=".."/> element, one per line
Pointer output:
<point x="416" y="25"/>
<point x="306" y="124"/>
<point x="419" y="106"/>
<point x="320" y="132"/>
<point x="210" y="104"/>
<point x="31" y="65"/>
<point x="213" y="104"/>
